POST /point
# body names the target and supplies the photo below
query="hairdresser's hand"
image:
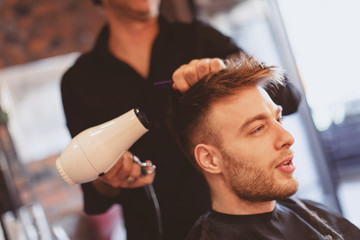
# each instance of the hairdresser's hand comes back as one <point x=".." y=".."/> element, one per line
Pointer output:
<point x="125" y="174"/>
<point x="189" y="74"/>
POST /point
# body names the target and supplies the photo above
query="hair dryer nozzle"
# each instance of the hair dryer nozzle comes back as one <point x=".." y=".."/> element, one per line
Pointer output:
<point x="142" y="118"/>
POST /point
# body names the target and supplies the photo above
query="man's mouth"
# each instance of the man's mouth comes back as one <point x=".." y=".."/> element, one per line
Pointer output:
<point x="286" y="165"/>
<point x="287" y="162"/>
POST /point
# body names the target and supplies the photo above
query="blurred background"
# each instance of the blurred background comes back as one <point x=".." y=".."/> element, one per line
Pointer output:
<point x="316" y="42"/>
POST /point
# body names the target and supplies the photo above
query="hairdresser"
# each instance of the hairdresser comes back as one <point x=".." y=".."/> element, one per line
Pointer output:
<point x="132" y="65"/>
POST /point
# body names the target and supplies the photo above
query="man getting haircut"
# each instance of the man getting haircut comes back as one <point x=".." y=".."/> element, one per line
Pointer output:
<point x="231" y="131"/>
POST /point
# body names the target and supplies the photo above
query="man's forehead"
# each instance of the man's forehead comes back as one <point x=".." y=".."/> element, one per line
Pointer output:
<point x="244" y="103"/>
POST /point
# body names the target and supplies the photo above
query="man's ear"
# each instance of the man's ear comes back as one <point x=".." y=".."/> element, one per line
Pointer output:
<point x="207" y="156"/>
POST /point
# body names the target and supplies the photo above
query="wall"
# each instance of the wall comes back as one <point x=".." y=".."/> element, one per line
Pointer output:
<point x="36" y="29"/>
<point x="32" y="30"/>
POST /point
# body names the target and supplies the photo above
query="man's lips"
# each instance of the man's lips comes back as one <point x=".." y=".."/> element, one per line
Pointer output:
<point x="285" y="161"/>
<point x="286" y="165"/>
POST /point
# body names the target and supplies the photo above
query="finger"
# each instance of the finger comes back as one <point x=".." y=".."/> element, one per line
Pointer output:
<point x="127" y="168"/>
<point x="150" y="168"/>
<point x="191" y="74"/>
<point x="131" y="179"/>
<point x="203" y="67"/>
<point x="135" y="179"/>
<point x="134" y="173"/>
<point x="116" y="178"/>
<point x="194" y="61"/>
<point x="115" y="169"/>
<point x="143" y="180"/>
<point x="180" y="83"/>
<point x="216" y="64"/>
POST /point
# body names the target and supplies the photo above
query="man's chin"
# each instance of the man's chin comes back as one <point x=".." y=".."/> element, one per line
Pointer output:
<point x="289" y="189"/>
<point x="280" y="193"/>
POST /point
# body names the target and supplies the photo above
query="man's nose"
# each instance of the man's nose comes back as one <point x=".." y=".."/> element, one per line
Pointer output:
<point x="284" y="138"/>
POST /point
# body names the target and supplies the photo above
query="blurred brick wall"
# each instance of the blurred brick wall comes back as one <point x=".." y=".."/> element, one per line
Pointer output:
<point x="36" y="29"/>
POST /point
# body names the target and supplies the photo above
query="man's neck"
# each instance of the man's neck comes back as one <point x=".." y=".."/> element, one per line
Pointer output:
<point x="224" y="200"/>
<point x="237" y="206"/>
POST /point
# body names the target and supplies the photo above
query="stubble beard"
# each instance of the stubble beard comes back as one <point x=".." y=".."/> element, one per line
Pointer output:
<point x="255" y="184"/>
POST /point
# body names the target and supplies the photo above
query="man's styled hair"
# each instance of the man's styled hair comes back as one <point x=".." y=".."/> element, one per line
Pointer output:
<point x="189" y="115"/>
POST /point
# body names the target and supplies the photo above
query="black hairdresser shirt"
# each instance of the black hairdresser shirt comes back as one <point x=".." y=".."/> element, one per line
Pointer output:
<point x="289" y="221"/>
<point x="99" y="87"/>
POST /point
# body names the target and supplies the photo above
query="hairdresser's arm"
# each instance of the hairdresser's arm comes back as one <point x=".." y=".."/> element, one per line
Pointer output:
<point x="125" y="174"/>
<point x="188" y="74"/>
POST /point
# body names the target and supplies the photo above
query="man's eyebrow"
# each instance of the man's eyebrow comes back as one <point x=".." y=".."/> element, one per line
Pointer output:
<point x="249" y="121"/>
<point x="261" y="116"/>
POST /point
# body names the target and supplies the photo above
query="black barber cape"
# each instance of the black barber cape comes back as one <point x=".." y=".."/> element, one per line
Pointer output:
<point x="100" y="87"/>
<point x="288" y="221"/>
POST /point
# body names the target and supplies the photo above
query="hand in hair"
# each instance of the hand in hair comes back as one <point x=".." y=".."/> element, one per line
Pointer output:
<point x="189" y="74"/>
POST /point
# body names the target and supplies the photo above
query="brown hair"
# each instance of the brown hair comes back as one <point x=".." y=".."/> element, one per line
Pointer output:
<point x="188" y="118"/>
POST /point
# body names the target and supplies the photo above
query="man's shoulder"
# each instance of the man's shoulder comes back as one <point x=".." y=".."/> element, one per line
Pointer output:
<point x="196" y="232"/>
<point x="314" y="211"/>
<point x="294" y="202"/>
<point x="215" y="225"/>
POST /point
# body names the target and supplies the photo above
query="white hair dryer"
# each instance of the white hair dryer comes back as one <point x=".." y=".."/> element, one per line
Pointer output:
<point x="95" y="151"/>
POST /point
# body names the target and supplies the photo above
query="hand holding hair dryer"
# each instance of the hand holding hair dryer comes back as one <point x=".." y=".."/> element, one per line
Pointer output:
<point x="95" y="151"/>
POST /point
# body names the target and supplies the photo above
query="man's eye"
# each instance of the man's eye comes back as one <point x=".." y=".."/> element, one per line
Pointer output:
<point x="258" y="129"/>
